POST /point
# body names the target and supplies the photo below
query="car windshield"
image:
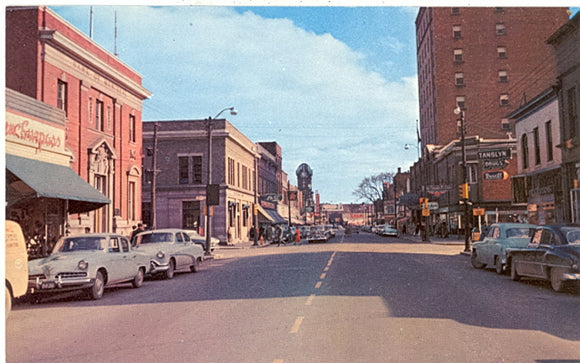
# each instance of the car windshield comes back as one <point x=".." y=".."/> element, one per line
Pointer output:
<point x="519" y="232"/>
<point x="155" y="237"/>
<point x="80" y="244"/>
<point x="572" y="235"/>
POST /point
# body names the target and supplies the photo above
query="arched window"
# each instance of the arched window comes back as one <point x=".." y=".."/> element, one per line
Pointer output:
<point x="525" y="152"/>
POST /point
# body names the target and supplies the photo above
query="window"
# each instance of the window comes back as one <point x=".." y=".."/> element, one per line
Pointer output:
<point x="503" y="76"/>
<point x="472" y="173"/>
<point x="90" y="109"/>
<point x="131" y="207"/>
<point x="504" y="99"/>
<point x="109" y="118"/>
<point x="458" y="55"/>
<point x="455" y="11"/>
<point x="61" y="97"/>
<point x="549" y="143"/>
<point x="197" y="174"/>
<point x="132" y="129"/>
<point x="537" y="146"/>
<point x="191" y="214"/>
<point x="459" y="79"/>
<point x="183" y="170"/>
<point x="500" y="10"/>
<point x="460" y="101"/>
<point x="500" y="29"/>
<point x="506" y="125"/>
<point x="456" y="31"/>
<point x="525" y="152"/>
<point x="231" y="171"/>
<point x="501" y="52"/>
<point x="99" y="122"/>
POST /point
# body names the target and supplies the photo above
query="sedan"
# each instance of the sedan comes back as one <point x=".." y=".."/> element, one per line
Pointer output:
<point x="169" y="250"/>
<point x="87" y="262"/>
<point x="200" y="240"/>
<point x="388" y="230"/>
<point x="553" y="254"/>
<point x="491" y="251"/>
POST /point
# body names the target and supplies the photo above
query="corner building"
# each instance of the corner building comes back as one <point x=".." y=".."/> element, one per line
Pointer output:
<point x="49" y="60"/>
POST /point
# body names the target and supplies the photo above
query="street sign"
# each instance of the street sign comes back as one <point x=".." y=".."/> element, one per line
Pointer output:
<point x="478" y="211"/>
<point x="433" y="205"/>
<point x="272" y="197"/>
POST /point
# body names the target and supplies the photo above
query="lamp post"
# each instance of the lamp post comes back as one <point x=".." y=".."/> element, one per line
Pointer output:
<point x="458" y="111"/>
<point x="210" y="190"/>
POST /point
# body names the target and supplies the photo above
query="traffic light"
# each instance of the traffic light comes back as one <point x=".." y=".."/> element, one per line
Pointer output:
<point x="424" y="203"/>
<point x="464" y="191"/>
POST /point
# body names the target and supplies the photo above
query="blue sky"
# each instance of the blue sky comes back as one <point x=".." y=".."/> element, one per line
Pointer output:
<point x="335" y="87"/>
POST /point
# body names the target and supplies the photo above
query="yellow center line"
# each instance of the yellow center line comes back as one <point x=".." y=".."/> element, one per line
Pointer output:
<point x="296" y="325"/>
<point x="323" y="276"/>
<point x="278" y="361"/>
<point x="309" y="300"/>
<point x="318" y="284"/>
<point x="326" y="268"/>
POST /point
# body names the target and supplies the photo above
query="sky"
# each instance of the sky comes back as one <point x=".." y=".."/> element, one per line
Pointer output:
<point x="335" y="87"/>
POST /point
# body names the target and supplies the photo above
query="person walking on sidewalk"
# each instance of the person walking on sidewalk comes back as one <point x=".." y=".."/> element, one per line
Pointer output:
<point x="279" y="235"/>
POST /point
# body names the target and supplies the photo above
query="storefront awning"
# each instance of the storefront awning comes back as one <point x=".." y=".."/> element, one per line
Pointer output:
<point x="271" y="215"/>
<point x="27" y="178"/>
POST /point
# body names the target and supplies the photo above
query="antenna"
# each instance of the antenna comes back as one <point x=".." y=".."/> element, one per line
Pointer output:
<point x="91" y="24"/>
<point x="116" y="54"/>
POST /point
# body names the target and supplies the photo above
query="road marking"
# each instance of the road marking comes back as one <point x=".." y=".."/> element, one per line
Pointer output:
<point x="278" y="361"/>
<point x="296" y="325"/>
<point x="323" y="276"/>
<point x="326" y="268"/>
<point x="318" y="284"/>
<point x="309" y="300"/>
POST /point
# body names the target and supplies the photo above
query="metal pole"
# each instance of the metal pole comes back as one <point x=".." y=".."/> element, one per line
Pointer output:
<point x="154" y="179"/>
<point x="207" y="204"/>
<point x="289" y="211"/>
<point x="464" y="169"/>
<point x="255" y="209"/>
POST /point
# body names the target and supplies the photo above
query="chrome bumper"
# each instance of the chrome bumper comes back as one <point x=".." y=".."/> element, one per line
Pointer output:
<point x="39" y="285"/>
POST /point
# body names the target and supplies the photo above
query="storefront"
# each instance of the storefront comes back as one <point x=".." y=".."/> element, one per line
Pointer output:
<point x="42" y="191"/>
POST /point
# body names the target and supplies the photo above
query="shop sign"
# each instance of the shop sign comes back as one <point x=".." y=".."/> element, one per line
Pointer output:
<point x="494" y="164"/>
<point x="495" y="154"/>
<point x="34" y="134"/>
<point x="495" y="175"/>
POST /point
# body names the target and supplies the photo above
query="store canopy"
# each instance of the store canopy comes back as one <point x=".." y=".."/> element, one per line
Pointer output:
<point x="27" y="178"/>
<point x="271" y="215"/>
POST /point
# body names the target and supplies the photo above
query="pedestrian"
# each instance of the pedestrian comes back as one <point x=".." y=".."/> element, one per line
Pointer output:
<point x="297" y="238"/>
<point x="140" y="228"/>
<point x="279" y="235"/>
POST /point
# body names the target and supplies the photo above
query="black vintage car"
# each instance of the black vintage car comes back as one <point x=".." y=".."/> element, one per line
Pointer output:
<point x="553" y="254"/>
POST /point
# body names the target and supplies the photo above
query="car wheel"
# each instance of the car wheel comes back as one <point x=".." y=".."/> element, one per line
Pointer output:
<point x="498" y="265"/>
<point x="138" y="279"/>
<point x="98" y="288"/>
<point x="556" y="279"/>
<point x="513" y="271"/>
<point x="475" y="262"/>
<point x="8" y="305"/>
<point x="195" y="266"/>
<point x="170" y="271"/>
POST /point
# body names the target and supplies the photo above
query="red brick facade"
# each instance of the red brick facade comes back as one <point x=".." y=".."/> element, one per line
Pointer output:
<point x="50" y="60"/>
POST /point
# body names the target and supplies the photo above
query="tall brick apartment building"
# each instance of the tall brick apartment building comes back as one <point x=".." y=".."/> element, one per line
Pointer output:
<point x="100" y="99"/>
<point x="487" y="60"/>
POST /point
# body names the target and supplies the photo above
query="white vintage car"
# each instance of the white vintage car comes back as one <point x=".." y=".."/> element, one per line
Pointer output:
<point x="169" y="250"/>
<point x="89" y="262"/>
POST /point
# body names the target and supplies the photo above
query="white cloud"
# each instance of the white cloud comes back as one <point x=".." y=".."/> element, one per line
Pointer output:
<point x="310" y="93"/>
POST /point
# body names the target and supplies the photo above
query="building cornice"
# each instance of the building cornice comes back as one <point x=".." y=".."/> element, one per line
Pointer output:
<point x="57" y="40"/>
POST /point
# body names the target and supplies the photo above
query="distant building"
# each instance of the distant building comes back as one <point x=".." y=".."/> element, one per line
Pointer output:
<point x="100" y="103"/>
<point x="304" y="176"/>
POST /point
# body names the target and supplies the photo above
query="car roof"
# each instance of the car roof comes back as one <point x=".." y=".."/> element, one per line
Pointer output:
<point x="164" y="230"/>
<point x="104" y="235"/>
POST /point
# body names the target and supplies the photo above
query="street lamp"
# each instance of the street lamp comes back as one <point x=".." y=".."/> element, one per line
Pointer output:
<point x="211" y="190"/>
<point x="459" y="112"/>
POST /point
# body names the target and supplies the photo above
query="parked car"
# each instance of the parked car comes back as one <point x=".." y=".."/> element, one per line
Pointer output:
<point x="87" y="262"/>
<point x="16" y="264"/>
<point x="377" y="228"/>
<point x="553" y="254"/>
<point x="200" y="240"/>
<point x="491" y="252"/>
<point x="169" y="250"/>
<point x="316" y="234"/>
<point x="388" y="230"/>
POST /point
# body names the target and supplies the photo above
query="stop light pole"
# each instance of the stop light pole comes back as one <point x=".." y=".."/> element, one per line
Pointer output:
<point x="464" y="186"/>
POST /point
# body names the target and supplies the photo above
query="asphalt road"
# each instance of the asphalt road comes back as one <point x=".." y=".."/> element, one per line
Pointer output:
<point x="357" y="299"/>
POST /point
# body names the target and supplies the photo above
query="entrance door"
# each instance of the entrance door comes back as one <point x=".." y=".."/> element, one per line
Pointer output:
<point x="191" y="214"/>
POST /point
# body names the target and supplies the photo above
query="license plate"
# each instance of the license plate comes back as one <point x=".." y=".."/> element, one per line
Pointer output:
<point x="47" y="285"/>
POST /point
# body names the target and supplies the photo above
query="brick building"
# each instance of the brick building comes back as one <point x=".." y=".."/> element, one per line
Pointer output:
<point x="487" y="60"/>
<point x="182" y="176"/>
<point x="100" y="97"/>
